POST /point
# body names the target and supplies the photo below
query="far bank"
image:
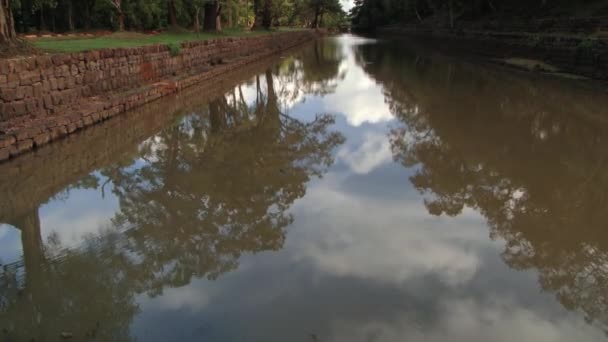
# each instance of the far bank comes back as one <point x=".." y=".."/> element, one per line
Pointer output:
<point x="560" y="53"/>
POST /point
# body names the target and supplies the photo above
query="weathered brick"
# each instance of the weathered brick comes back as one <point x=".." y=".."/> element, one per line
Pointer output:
<point x="48" y="102"/>
<point x="18" y="108"/>
<point x="61" y="83"/>
<point x="42" y="138"/>
<point x="37" y="90"/>
<point x="53" y="83"/>
<point x="58" y="59"/>
<point x="4" y="153"/>
<point x="8" y="94"/>
<point x="7" y="140"/>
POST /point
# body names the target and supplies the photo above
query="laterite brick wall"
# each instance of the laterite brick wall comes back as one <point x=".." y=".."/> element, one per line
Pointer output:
<point x="44" y="85"/>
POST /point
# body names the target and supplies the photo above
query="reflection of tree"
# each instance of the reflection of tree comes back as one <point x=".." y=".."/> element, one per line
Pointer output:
<point x="529" y="157"/>
<point x="321" y="67"/>
<point x="67" y="292"/>
<point x="316" y="71"/>
<point x="222" y="185"/>
<point x="215" y="185"/>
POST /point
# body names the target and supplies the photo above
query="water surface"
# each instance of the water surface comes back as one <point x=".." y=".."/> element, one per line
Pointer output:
<point x="352" y="190"/>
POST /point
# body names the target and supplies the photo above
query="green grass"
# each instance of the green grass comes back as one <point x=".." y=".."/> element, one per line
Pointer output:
<point x="131" y="39"/>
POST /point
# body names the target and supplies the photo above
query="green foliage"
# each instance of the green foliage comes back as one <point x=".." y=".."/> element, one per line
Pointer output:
<point x="132" y="39"/>
<point x="369" y="14"/>
<point x="589" y="44"/>
<point x="147" y="15"/>
<point x="174" y="48"/>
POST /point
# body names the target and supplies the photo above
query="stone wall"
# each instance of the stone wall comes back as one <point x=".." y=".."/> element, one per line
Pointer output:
<point x="28" y="182"/>
<point x="43" y="98"/>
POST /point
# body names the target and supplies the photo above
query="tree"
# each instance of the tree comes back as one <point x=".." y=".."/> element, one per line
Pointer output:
<point x="195" y="11"/>
<point x="213" y="11"/>
<point x="172" y="13"/>
<point x="120" y="14"/>
<point x="322" y="7"/>
<point x="8" y="36"/>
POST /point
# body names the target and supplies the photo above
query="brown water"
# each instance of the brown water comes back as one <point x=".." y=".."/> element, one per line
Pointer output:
<point x="354" y="190"/>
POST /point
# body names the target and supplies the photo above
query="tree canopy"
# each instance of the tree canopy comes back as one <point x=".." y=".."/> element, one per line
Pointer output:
<point x="370" y="14"/>
<point x="70" y="15"/>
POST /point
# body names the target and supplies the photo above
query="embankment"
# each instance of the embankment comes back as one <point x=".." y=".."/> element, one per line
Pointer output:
<point x="562" y="46"/>
<point x="44" y="98"/>
<point x="34" y="178"/>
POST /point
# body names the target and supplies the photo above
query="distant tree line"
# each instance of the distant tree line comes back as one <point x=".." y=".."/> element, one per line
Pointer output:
<point x="369" y="14"/>
<point x="25" y="16"/>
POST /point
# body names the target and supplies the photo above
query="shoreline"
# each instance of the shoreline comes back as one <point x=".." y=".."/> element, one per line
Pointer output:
<point x="56" y="165"/>
<point x="41" y="98"/>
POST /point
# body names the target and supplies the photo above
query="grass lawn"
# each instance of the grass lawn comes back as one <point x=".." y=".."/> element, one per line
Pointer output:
<point x="131" y="39"/>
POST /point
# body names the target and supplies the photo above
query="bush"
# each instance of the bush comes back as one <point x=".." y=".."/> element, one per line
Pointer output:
<point x="174" y="48"/>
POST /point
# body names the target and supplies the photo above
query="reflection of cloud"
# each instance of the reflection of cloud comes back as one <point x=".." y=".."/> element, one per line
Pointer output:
<point x="191" y="298"/>
<point x="358" y="97"/>
<point x="383" y="241"/>
<point x="10" y="240"/>
<point x="77" y="218"/>
<point x="374" y="151"/>
<point x="347" y="5"/>
<point x="466" y="321"/>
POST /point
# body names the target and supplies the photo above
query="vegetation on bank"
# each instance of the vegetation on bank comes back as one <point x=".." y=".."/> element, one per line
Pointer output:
<point x="182" y="16"/>
<point x="131" y="39"/>
<point x="485" y="14"/>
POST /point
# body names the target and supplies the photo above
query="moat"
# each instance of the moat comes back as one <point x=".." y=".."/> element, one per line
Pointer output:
<point x="349" y="190"/>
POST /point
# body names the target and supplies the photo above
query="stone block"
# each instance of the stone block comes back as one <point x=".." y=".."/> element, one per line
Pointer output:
<point x="18" y="108"/>
<point x="5" y="153"/>
<point x="7" y="140"/>
<point x="42" y="138"/>
<point x="8" y="94"/>
<point x="25" y="145"/>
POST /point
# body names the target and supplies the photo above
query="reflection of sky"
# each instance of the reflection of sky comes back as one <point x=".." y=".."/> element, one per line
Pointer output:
<point x="10" y="244"/>
<point x="358" y="97"/>
<point x="363" y="260"/>
<point x="359" y="267"/>
<point x="75" y="218"/>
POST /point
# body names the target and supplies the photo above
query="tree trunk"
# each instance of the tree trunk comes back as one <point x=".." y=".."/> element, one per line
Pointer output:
<point x="121" y="21"/>
<point x="87" y="16"/>
<point x="172" y="13"/>
<point x="25" y="15"/>
<point x="451" y="14"/>
<point x="42" y="21"/>
<point x="258" y="13"/>
<point x="212" y="12"/>
<point x="197" y="21"/>
<point x="267" y="14"/>
<point x="218" y="17"/>
<point x="70" y="15"/>
<point x="7" y="24"/>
